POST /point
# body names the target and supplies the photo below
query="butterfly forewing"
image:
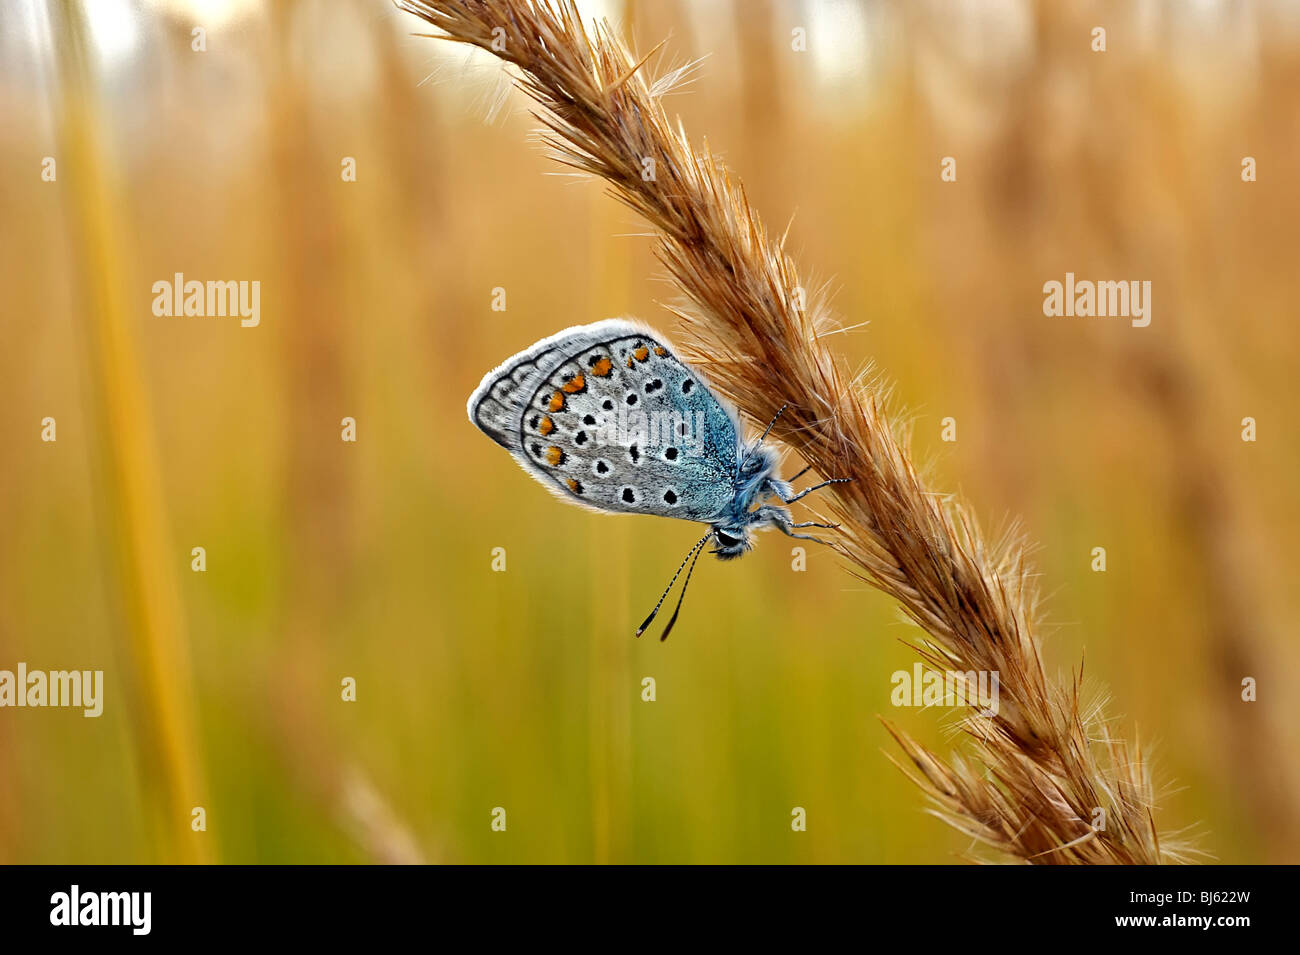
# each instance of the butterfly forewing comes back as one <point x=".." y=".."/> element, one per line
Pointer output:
<point x="610" y="417"/>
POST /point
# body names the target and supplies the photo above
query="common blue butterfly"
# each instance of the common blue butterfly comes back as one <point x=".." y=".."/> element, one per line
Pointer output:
<point x="606" y="416"/>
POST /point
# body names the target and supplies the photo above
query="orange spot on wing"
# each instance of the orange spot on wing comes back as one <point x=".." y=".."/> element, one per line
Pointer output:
<point x="642" y="353"/>
<point x="630" y="363"/>
<point x="546" y="427"/>
<point x="574" y="385"/>
<point x="602" y="368"/>
<point x="661" y="351"/>
<point x="554" y="456"/>
<point x="557" y="402"/>
<point x="574" y="485"/>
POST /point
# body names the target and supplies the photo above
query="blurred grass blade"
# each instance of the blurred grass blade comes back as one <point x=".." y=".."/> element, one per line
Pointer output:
<point x="149" y="623"/>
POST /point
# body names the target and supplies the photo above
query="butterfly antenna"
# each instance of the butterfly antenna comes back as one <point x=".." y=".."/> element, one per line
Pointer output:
<point x="694" y="550"/>
<point x="772" y="423"/>
<point x="681" y="597"/>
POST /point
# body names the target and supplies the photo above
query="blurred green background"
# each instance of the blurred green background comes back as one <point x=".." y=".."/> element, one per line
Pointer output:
<point x="373" y="560"/>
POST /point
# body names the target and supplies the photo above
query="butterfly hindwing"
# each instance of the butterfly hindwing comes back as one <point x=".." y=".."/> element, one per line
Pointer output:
<point x="498" y="402"/>
<point x="615" y="421"/>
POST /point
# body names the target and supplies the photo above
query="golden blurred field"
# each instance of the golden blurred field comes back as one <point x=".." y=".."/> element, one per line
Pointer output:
<point x="373" y="560"/>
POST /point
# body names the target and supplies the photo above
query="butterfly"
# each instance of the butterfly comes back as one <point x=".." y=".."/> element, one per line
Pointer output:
<point x="607" y="417"/>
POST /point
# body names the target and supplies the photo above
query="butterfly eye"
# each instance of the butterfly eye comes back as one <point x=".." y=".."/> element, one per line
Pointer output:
<point x="726" y="540"/>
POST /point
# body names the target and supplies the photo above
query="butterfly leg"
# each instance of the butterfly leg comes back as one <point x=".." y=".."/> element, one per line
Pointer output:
<point x="805" y="470"/>
<point x="781" y="519"/>
<point x="772" y="424"/>
<point x="786" y="530"/>
<point x="816" y="487"/>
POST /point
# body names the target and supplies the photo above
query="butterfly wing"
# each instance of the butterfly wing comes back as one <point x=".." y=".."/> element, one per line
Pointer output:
<point x="609" y="417"/>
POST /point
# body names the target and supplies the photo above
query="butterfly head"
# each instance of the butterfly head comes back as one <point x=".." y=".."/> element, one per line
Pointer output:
<point x="732" y="540"/>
